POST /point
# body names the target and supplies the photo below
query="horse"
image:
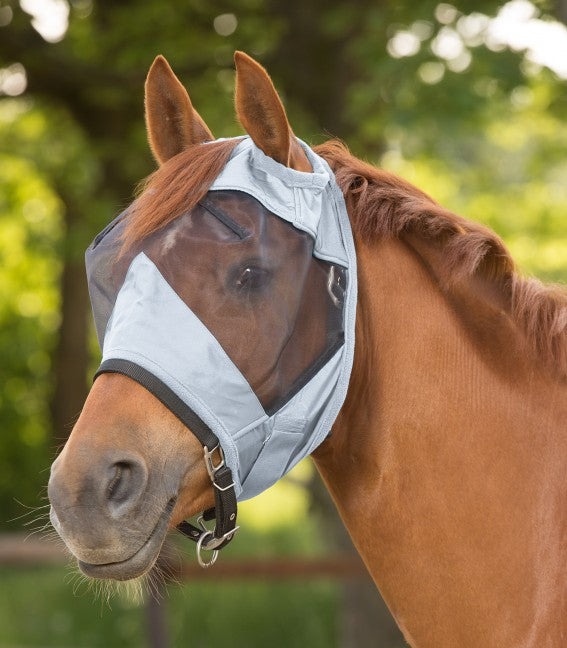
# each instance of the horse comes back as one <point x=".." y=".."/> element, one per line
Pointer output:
<point x="447" y="460"/>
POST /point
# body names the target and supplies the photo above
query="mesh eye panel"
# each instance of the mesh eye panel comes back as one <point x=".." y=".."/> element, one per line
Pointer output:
<point x="253" y="281"/>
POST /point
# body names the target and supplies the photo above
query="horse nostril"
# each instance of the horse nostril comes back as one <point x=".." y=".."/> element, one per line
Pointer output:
<point x="116" y="489"/>
<point x="125" y="485"/>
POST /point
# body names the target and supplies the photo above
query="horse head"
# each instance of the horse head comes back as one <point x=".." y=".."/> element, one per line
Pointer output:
<point x="199" y="277"/>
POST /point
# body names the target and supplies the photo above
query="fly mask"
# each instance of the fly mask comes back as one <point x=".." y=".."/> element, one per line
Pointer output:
<point x="239" y="316"/>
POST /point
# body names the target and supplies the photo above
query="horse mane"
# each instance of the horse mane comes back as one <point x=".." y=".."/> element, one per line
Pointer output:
<point x="382" y="205"/>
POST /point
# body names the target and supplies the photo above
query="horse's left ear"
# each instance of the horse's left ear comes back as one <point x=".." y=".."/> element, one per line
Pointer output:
<point x="261" y="112"/>
<point x="172" y="122"/>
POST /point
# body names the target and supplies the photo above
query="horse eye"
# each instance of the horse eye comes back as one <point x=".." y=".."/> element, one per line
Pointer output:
<point x="252" y="278"/>
<point x="245" y="277"/>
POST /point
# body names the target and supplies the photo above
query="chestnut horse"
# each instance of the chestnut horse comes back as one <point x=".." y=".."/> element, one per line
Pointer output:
<point x="448" y="459"/>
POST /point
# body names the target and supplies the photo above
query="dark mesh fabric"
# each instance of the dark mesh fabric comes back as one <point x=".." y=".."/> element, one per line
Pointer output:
<point x="253" y="281"/>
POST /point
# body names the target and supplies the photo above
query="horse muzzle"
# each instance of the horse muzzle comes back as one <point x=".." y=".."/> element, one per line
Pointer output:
<point x="109" y="513"/>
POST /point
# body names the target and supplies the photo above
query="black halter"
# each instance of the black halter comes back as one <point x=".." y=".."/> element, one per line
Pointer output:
<point x="225" y="508"/>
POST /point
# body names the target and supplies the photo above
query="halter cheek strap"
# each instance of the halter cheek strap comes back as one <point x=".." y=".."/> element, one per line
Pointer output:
<point x="223" y="512"/>
<point x="225" y="508"/>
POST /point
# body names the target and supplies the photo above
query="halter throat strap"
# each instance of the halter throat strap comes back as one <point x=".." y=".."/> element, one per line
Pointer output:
<point x="225" y="509"/>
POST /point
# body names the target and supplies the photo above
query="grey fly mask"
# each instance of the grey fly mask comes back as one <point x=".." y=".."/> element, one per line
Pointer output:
<point x="239" y="316"/>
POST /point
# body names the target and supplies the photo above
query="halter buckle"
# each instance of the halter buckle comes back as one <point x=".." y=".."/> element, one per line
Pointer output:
<point x="211" y="468"/>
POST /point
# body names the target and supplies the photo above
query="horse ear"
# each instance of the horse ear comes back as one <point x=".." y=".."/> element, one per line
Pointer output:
<point x="171" y="121"/>
<point x="260" y="111"/>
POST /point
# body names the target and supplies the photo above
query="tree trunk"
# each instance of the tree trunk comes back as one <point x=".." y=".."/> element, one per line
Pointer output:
<point x="70" y="357"/>
<point x="561" y="10"/>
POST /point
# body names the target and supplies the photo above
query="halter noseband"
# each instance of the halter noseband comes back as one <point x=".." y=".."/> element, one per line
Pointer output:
<point x="225" y="508"/>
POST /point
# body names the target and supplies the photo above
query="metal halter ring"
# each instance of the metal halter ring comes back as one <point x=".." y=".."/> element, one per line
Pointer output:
<point x="332" y="278"/>
<point x="200" y="548"/>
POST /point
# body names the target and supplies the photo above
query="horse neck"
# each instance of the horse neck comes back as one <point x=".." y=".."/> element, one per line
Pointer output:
<point x="448" y="473"/>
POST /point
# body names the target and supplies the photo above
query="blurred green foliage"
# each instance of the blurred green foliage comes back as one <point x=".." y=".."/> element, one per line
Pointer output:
<point x="30" y="233"/>
<point x="511" y="175"/>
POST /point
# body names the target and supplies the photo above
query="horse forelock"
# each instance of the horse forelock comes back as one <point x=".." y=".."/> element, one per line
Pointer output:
<point x="382" y="205"/>
<point x="175" y="188"/>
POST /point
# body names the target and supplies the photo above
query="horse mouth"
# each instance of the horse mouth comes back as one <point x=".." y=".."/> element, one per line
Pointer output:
<point x="138" y="563"/>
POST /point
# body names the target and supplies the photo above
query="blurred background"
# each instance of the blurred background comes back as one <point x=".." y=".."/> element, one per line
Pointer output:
<point x="466" y="100"/>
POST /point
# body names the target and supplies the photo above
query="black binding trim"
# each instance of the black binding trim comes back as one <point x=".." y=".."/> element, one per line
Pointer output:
<point x="224" y="511"/>
<point x="224" y="218"/>
<point x="306" y="376"/>
<point x="113" y="223"/>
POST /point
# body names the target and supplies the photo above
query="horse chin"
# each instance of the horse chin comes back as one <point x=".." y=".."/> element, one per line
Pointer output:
<point x="138" y="563"/>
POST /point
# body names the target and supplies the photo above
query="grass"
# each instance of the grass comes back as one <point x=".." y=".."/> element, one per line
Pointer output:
<point x="48" y="607"/>
<point x="38" y="608"/>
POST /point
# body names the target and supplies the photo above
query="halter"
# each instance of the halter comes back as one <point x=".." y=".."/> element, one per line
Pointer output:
<point x="225" y="508"/>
